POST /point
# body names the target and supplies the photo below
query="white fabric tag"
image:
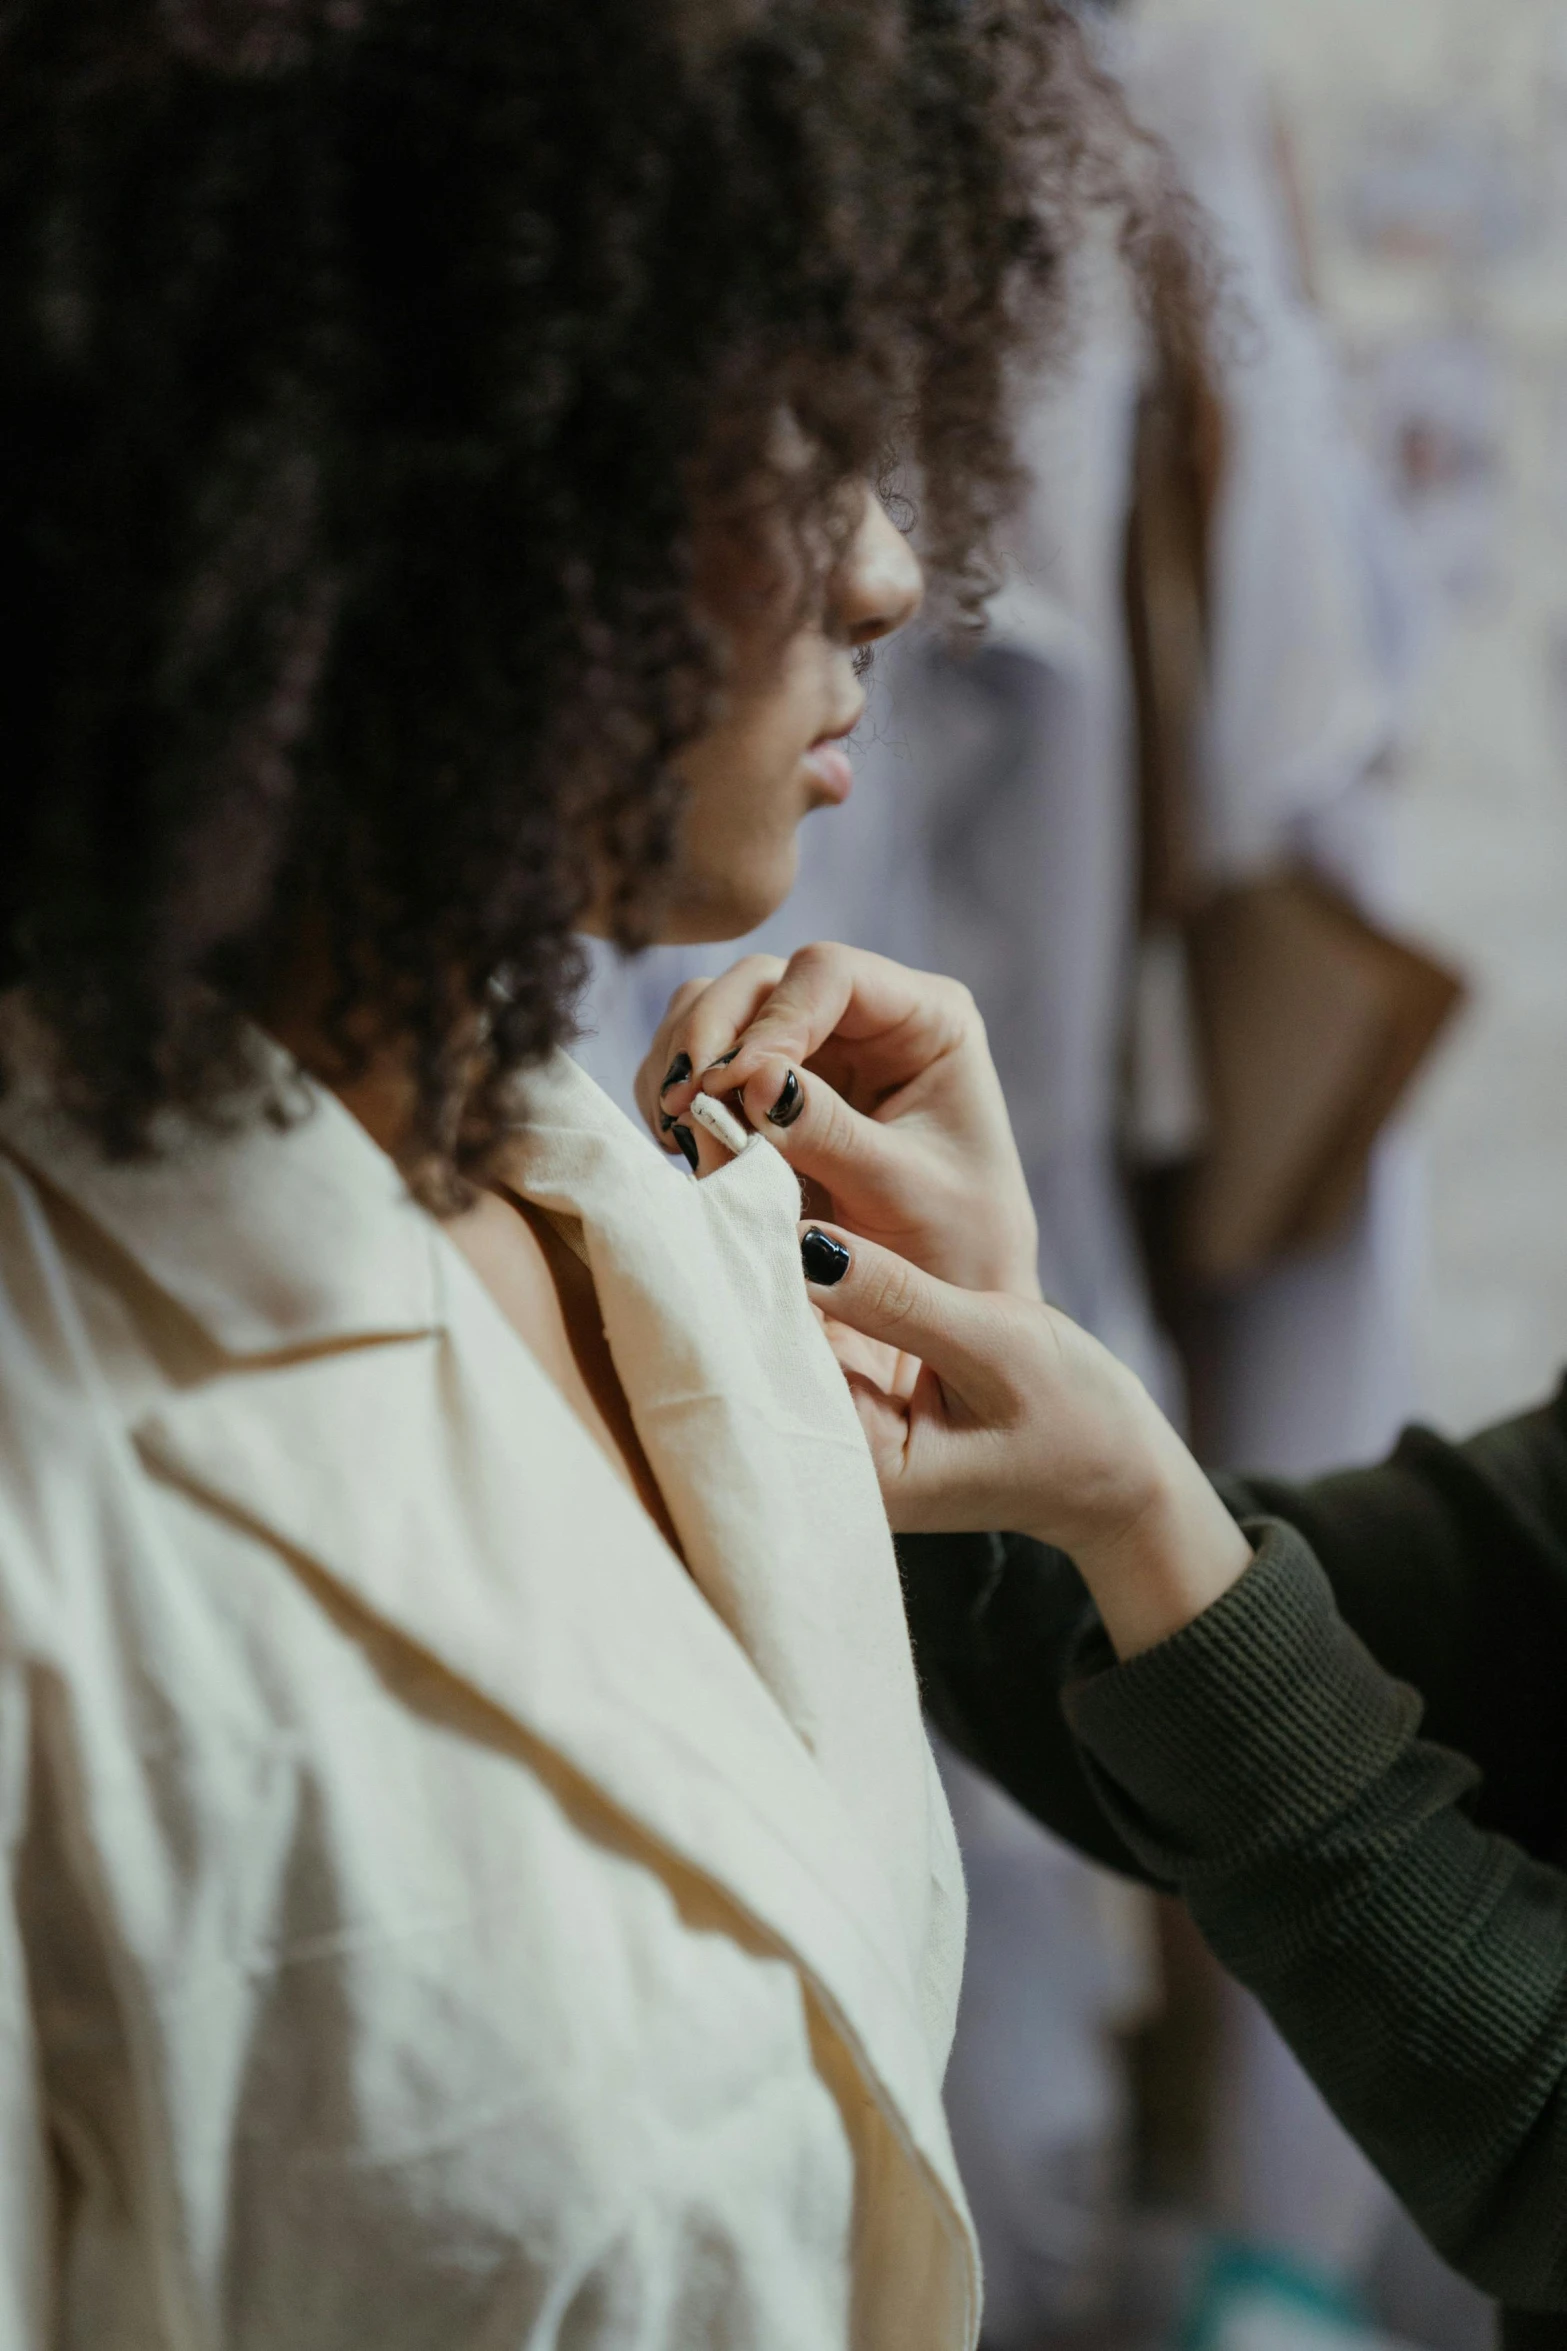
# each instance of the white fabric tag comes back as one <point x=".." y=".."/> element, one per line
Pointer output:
<point x="721" y="1123"/>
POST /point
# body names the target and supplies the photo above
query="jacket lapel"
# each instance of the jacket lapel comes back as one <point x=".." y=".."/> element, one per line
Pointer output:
<point x="750" y="1431"/>
<point x="763" y="1727"/>
<point x="463" y="1505"/>
<point x="268" y="1237"/>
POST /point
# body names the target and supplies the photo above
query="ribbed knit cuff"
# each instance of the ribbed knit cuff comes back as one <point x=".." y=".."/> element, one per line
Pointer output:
<point x="1251" y="1728"/>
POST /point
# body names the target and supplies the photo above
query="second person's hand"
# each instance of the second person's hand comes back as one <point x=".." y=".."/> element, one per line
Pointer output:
<point x="876" y="1084"/>
<point x="988" y="1412"/>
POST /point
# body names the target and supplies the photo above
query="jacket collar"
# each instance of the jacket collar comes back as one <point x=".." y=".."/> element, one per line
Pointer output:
<point x="270" y="1237"/>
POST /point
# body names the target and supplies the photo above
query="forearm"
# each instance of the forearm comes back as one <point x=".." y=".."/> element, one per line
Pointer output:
<point x="1450" y="1562"/>
<point x="1263" y="1763"/>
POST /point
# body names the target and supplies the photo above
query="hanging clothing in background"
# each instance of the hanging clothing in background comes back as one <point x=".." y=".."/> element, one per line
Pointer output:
<point x="1310" y="638"/>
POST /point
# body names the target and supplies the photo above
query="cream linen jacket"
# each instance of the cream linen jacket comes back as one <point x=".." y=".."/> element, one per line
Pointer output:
<point x="432" y="1917"/>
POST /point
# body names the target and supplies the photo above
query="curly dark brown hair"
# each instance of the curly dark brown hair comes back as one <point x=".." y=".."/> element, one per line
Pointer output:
<point x="363" y="367"/>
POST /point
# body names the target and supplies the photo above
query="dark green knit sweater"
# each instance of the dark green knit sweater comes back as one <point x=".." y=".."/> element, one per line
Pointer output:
<point x="1354" y="1770"/>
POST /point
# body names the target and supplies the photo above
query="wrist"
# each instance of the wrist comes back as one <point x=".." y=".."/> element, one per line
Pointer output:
<point x="1168" y="1562"/>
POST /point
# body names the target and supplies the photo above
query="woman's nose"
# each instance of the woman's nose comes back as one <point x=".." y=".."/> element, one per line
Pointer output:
<point x="880" y="585"/>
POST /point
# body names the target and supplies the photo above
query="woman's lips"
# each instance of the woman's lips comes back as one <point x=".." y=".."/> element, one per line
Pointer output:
<point x="829" y="763"/>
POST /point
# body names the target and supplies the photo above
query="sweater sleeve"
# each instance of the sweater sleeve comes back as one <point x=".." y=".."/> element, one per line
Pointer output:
<point x="1450" y="1562"/>
<point x="996" y="1621"/>
<point x="1263" y="1762"/>
<point x="1354" y="1769"/>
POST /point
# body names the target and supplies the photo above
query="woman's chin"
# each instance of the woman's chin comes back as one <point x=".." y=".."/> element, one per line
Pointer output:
<point x="707" y="907"/>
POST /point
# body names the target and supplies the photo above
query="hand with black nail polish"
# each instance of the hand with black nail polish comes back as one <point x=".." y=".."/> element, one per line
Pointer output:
<point x="877" y="1085"/>
<point x="988" y="1410"/>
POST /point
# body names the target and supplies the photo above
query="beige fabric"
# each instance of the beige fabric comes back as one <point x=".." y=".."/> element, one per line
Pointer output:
<point x="434" y="1918"/>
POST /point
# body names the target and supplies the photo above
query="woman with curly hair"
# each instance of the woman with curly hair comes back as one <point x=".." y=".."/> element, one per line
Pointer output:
<point x="473" y="1874"/>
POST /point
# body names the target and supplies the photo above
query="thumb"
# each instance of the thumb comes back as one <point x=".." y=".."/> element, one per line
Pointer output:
<point x="959" y="1334"/>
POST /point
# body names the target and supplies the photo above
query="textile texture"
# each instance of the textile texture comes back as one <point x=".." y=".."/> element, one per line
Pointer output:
<point x="432" y="1914"/>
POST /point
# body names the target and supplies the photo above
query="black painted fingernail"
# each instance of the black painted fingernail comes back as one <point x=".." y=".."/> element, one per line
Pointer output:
<point x="825" y="1260"/>
<point x="687" y="1141"/>
<point x="724" y="1059"/>
<point x="679" y="1071"/>
<point x="666" y="1119"/>
<point x="788" y="1106"/>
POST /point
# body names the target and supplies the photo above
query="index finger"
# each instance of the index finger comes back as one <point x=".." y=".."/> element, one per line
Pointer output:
<point x="702" y="1018"/>
<point x="846" y="994"/>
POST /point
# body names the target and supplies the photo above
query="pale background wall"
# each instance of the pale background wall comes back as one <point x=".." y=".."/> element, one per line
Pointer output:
<point x="1446" y="120"/>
